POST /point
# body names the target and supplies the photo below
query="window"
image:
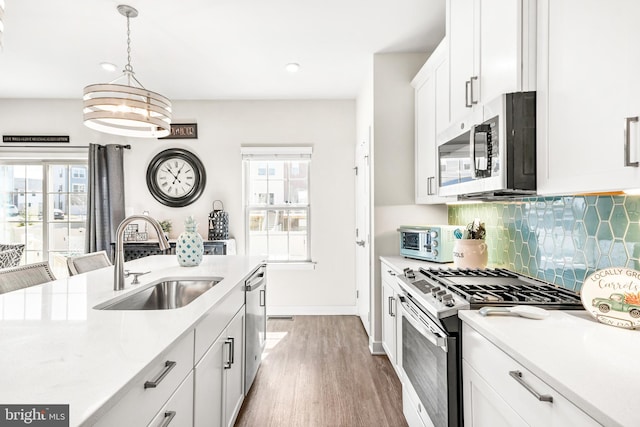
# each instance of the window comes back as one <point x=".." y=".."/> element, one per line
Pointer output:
<point x="276" y="200"/>
<point x="44" y="206"/>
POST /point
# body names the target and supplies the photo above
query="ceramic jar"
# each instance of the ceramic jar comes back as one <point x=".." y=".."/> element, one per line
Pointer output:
<point x="470" y="253"/>
<point x="189" y="247"/>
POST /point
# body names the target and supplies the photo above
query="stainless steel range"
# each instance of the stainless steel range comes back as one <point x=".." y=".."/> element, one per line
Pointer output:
<point x="431" y="348"/>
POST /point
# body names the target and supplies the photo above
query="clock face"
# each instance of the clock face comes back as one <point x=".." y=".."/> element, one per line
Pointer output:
<point x="176" y="177"/>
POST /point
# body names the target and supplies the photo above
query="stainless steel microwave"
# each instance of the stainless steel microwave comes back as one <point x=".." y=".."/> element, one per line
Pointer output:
<point x="492" y="152"/>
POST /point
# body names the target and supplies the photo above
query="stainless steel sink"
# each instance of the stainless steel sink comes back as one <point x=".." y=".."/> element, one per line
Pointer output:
<point x="164" y="294"/>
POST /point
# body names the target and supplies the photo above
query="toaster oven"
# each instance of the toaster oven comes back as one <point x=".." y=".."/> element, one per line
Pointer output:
<point x="427" y="242"/>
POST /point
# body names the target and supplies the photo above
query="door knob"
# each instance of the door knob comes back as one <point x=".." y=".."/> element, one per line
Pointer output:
<point x="360" y="242"/>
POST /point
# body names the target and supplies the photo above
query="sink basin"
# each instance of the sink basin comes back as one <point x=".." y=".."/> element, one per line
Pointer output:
<point x="164" y="294"/>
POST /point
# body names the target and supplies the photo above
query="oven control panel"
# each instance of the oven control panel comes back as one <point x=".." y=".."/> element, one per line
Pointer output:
<point x="438" y="300"/>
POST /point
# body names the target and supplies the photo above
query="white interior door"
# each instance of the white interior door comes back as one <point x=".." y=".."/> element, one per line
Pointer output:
<point x="362" y="233"/>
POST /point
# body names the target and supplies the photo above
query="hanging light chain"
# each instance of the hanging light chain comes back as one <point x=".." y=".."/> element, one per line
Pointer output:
<point x="128" y="68"/>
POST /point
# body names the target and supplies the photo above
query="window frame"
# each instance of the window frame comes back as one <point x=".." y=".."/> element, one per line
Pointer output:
<point x="276" y="154"/>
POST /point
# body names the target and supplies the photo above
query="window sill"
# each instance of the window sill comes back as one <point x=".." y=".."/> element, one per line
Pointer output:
<point x="303" y="265"/>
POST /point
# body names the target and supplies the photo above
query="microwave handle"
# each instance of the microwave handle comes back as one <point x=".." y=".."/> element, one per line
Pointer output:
<point x="472" y="144"/>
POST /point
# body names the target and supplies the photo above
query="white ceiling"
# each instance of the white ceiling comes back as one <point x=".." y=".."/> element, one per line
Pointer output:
<point x="210" y="49"/>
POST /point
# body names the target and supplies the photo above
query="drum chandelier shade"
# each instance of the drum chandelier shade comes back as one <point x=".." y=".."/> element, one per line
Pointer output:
<point x="126" y="108"/>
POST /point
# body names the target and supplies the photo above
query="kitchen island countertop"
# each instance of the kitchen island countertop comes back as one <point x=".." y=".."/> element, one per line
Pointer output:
<point x="57" y="349"/>
<point x="591" y="364"/>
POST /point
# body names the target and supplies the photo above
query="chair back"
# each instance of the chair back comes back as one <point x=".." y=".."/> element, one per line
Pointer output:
<point x="91" y="261"/>
<point x="15" y="278"/>
<point x="10" y="254"/>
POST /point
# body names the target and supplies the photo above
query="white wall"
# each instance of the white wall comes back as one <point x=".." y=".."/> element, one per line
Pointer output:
<point x="223" y="126"/>
<point x="393" y="165"/>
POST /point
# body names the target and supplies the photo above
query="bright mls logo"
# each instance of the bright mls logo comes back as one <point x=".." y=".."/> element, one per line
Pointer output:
<point x="34" y="415"/>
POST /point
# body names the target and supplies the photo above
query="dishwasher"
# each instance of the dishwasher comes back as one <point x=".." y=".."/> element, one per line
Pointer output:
<point x="256" y="323"/>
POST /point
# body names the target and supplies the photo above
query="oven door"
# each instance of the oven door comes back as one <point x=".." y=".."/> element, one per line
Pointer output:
<point x="429" y="364"/>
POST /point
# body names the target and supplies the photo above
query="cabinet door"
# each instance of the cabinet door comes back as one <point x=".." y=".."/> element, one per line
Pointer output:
<point x="461" y="35"/>
<point x="208" y="390"/>
<point x="588" y="72"/>
<point x="234" y="375"/>
<point x="389" y="322"/>
<point x="482" y="405"/>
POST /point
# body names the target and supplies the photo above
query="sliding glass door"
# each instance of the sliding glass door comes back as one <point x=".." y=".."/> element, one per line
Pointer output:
<point x="43" y="204"/>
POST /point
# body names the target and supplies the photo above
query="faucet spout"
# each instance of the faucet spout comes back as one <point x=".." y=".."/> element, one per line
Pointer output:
<point x="118" y="278"/>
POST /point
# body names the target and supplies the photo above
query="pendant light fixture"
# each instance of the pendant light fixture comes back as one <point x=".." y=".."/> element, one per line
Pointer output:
<point x="126" y="109"/>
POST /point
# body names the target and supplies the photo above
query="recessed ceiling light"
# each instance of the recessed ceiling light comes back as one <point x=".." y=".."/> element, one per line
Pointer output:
<point x="292" y="67"/>
<point x="108" y="66"/>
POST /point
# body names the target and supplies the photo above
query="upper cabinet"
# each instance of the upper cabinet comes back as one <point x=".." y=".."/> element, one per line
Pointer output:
<point x="432" y="116"/>
<point x="492" y="50"/>
<point x="588" y="96"/>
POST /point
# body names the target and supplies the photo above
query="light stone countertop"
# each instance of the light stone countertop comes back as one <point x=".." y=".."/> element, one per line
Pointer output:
<point x="593" y="365"/>
<point x="56" y="349"/>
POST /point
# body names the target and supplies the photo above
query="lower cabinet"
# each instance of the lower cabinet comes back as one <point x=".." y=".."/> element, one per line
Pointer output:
<point x="390" y="291"/>
<point x="219" y="379"/>
<point x="145" y="397"/>
<point x="178" y="411"/>
<point x="498" y="391"/>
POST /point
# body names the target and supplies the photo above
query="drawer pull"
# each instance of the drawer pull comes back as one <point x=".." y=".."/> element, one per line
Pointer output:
<point x="230" y="342"/>
<point x="517" y="375"/>
<point x="627" y="142"/>
<point x="168" y="417"/>
<point x="169" y="365"/>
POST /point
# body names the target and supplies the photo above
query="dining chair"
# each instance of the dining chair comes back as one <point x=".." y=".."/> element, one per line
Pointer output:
<point x="88" y="262"/>
<point x="15" y="278"/>
<point x="10" y="254"/>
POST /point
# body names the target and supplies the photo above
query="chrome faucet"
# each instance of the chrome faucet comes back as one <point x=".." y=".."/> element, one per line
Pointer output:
<point x="118" y="277"/>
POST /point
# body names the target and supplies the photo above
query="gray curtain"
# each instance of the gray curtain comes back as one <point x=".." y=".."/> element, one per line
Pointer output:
<point x="105" y="204"/>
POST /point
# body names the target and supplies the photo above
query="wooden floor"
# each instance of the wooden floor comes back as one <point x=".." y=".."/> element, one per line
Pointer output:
<point x="318" y="371"/>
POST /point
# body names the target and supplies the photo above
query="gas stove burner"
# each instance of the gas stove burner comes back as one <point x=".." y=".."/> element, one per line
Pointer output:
<point x="409" y="274"/>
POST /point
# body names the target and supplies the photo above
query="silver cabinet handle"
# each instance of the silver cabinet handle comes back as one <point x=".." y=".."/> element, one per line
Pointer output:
<point x="360" y="242"/>
<point x="227" y="364"/>
<point x="391" y="303"/>
<point x="168" y="366"/>
<point x="263" y="298"/>
<point x="627" y="142"/>
<point x="471" y="85"/>
<point x="467" y="84"/>
<point x="168" y="417"/>
<point x="517" y="375"/>
<point x="391" y="272"/>
<point x="429" y="187"/>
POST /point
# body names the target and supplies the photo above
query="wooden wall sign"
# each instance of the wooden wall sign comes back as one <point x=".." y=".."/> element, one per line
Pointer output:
<point x="35" y="139"/>
<point x="183" y="131"/>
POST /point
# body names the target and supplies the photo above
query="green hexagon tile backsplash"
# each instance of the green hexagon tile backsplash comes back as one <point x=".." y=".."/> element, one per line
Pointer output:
<point x="559" y="239"/>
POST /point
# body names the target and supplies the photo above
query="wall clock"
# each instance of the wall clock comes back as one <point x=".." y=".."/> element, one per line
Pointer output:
<point x="176" y="177"/>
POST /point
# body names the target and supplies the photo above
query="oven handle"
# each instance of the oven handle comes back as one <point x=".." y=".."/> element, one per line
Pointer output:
<point x="419" y="324"/>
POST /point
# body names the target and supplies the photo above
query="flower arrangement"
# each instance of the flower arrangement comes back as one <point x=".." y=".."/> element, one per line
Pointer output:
<point x="475" y="230"/>
<point x="166" y="225"/>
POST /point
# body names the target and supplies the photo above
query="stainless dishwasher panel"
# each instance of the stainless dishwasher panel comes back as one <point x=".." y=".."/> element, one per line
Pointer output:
<point x="256" y="323"/>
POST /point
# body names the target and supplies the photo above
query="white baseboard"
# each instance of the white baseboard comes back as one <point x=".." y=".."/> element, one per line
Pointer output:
<point x="375" y="347"/>
<point x="330" y="310"/>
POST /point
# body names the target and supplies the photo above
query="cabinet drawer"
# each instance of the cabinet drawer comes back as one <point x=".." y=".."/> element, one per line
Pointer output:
<point x="218" y="318"/>
<point x="494" y="366"/>
<point x="179" y="409"/>
<point x="389" y="276"/>
<point x="139" y="405"/>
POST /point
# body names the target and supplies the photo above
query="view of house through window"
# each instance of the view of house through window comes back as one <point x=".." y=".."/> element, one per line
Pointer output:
<point x="277" y="206"/>
<point x="44" y="206"/>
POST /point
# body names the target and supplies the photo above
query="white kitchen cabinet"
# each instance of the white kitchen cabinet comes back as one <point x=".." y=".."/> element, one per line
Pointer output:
<point x="149" y="392"/>
<point x="431" y="117"/>
<point x="491" y="50"/>
<point x="178" y="411"/>
<point x="390" y="291"/>
<point x="588" y="93"/>
<point x="498" y="390"/>
<point x="219" y="377"/>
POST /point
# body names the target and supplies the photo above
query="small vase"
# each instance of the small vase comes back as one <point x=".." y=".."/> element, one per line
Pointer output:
<point x="189" y="247"/>
<point x="470" y="253"/>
